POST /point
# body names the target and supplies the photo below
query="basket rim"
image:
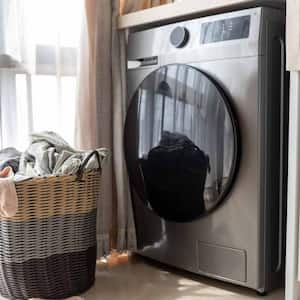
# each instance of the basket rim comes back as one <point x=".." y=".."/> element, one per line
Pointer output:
<point x="54" y="177"/>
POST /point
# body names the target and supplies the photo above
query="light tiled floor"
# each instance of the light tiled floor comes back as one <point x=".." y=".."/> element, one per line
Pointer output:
<point x="141" y="280"/>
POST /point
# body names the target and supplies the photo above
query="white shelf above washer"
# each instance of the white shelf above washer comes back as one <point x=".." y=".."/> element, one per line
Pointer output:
<point x="185" y="8"/>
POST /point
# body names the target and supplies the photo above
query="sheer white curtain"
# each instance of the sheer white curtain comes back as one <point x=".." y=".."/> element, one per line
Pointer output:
<point x="39" y="43"/>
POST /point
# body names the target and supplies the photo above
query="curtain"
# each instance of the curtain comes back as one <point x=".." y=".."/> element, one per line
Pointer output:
<point x="100" y="119"/>
<point x="127" y="6"/>
<point x="38" y="68"/>
<point x="13" y="47"/>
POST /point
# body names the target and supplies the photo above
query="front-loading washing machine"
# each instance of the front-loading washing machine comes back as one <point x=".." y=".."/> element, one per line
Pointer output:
<point x="206" y="145"/>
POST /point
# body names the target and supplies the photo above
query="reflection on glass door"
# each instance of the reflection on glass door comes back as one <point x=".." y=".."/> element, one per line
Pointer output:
<point x="186" y="149"/>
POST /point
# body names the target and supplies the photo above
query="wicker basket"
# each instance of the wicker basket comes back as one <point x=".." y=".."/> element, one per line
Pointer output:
<point x="48" y="250"/>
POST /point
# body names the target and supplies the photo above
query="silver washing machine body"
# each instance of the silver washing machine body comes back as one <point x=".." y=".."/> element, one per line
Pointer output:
<point x="206" y="148"/>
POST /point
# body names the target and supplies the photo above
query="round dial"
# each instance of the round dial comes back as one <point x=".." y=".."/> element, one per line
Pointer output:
<point x="179" y="37"/>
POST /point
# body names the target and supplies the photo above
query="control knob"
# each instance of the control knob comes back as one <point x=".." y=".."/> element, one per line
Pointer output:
<point x="179" y="37"/>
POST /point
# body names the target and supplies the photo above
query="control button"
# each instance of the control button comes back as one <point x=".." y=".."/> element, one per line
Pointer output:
<point x="179" y="37"/>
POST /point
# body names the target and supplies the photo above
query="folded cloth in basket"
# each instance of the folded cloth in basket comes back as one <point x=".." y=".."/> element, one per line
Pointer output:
<point x="49" y="154"/>
<point x="8" y="194"/>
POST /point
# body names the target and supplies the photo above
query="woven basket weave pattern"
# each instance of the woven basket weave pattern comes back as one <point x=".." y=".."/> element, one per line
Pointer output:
<point x="48" y="250"/>
<point x="41" y="198"/>
<point x="45" y="237"/>
<point x="57" y="277"/>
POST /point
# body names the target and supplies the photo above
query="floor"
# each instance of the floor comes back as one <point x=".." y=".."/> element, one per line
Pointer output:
<point x="143" y="280"/>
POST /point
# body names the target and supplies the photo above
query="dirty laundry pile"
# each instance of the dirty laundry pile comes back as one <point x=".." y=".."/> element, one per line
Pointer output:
<point x="47" y="155"/>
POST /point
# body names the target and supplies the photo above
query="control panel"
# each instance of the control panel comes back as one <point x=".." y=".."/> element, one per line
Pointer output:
<point x="213" y="32"/>
<point x="225" y="30"/>
<point x="228" y="35"/>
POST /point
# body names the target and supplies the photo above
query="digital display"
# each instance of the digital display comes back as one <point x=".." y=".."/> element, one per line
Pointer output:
<point x="225" y="30"/>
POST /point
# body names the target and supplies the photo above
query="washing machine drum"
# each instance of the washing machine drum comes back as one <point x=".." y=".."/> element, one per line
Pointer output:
<point x="181" y="143"/>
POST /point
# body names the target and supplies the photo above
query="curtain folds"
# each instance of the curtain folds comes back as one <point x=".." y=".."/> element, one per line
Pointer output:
<point x="10" y="33"/>
<point x="127" y="6"/>
<point x="100" y="118"/>
<point x="16" y="44"/>
<point x="38" y="68"/>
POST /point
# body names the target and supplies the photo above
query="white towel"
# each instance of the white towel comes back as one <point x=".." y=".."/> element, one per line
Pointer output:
<point x="8" y="194"/>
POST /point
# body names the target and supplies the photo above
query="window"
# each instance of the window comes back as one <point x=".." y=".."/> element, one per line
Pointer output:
<point x="45" y="97"/>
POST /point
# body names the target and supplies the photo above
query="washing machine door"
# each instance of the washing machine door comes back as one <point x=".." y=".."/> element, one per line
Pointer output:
<point x="181" y="143"/>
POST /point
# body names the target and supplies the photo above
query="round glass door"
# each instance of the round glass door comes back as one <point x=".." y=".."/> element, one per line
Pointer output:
<point x="181" y="143"/>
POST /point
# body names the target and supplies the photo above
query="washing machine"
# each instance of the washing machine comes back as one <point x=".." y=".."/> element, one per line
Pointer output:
<point x="206" y="145"/>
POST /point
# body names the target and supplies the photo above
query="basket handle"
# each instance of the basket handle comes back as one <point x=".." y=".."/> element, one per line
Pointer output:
<point x="80" y="171"/>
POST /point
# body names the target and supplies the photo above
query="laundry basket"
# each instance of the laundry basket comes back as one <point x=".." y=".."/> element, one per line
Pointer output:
<point x="48" y="249"/>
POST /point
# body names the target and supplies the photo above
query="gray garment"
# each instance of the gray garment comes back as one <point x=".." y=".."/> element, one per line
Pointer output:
<point x="10" y="157"/>
<point x="48" y="154"/>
